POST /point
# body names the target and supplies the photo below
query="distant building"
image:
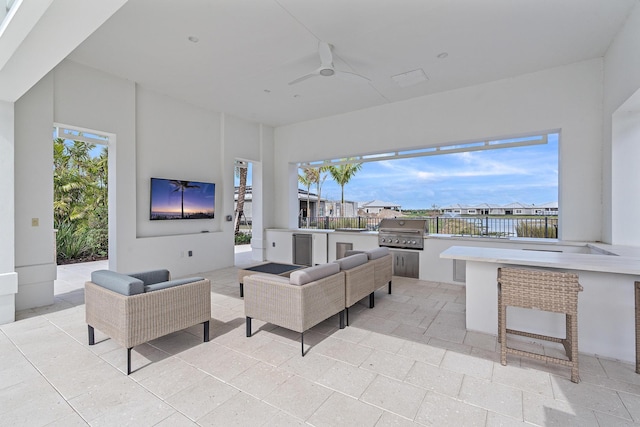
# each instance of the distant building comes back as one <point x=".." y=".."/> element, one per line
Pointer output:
<point x="376" y="206"/>
<point x="327" y="207"/>
<point x="515" y="208"/>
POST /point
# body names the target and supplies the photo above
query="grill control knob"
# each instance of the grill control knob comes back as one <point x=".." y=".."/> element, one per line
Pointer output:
<point x="397" y="241"/>
<point x="404" y="242"/>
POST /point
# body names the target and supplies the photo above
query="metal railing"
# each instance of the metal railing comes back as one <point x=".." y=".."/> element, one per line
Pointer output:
<point x="545" y="227"/>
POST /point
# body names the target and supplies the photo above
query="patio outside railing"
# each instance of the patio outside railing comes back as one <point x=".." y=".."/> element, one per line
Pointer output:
<point x="485" y="226"/>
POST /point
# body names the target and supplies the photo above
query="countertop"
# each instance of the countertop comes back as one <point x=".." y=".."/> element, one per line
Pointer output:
<point x="572" y="261"/>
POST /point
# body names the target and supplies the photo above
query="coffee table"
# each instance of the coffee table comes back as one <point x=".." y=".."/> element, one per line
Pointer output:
<point x="270" y="268"/>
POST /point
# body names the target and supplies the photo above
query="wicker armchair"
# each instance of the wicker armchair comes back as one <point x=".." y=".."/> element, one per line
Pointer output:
<point x="308" y="297"/>
<point x="135" y="311"/>
<point x="382" y="261"/>
<point x="358" y="280"/>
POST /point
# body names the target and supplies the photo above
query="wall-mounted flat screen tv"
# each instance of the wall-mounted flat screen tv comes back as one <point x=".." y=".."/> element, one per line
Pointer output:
<point x="176" y="199"/>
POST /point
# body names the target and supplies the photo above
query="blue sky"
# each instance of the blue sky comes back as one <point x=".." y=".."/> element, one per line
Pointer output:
<point x="501" y="176"/>
<point x="523" y="174"/>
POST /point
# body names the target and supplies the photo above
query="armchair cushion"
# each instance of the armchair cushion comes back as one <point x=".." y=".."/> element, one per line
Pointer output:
<point x="378" y="252"/>
<point x="118" y="282"/>
<point x="352" y="261"/>
<point x="152" y="277"/>
<point x="311" y="274"/>
<point x="171" y="283"/>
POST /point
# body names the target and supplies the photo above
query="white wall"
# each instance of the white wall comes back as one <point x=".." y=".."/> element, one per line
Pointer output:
<point x="8" y="276"/>
<point x="568" y="99"/>
<point x="620" y="147"/>
<point x="34" y="245"/>
<point x="151" y="135"/>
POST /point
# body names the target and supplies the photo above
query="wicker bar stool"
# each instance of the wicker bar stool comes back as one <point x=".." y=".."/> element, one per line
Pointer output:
<point x="540" y="290"/>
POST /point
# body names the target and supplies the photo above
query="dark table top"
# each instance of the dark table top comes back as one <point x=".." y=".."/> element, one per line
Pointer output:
<point x="274" y="268"/>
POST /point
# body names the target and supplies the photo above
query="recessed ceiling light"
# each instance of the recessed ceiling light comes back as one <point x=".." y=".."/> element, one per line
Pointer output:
<point x="410" y="78"/>
<point x="193" y="39"/>
<point x="267" y="91"/>
<point x="442" y="55"/>
<point x="296" y="96"/>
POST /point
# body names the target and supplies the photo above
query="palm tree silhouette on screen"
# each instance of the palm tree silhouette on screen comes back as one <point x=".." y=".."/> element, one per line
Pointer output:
<point x="181" y="186"/>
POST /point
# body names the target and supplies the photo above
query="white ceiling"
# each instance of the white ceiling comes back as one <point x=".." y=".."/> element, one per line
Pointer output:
<point x="249" y="47"/>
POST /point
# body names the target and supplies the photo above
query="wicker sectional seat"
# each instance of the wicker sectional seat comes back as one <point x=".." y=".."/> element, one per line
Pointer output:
<point x="382" y="261"/>
<point x="308" y="297"/>
<point x="135" y="308"/>
<point x="358" y="281"/>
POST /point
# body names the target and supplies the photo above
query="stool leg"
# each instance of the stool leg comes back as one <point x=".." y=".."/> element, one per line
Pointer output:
<point x="499" y="317"/>
<point x="502" y="333"/>
<point x="575" y="377"/>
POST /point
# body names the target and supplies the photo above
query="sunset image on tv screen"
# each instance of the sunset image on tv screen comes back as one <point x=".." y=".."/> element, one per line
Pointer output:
<point x="175" y="199"/>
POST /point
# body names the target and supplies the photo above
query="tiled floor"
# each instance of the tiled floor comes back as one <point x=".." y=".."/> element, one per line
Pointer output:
<point x="408" y="361"/>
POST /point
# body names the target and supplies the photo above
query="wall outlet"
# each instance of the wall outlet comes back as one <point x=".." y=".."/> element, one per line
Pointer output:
<point x="273" y="244"/>
<point x="35" y="222"/>
<point x="190" y="253"/>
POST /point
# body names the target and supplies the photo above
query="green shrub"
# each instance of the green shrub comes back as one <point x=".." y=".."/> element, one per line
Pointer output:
<point x="72" y="243"/>
<point x="524" y="229"/>
<point x="243" y="238"/>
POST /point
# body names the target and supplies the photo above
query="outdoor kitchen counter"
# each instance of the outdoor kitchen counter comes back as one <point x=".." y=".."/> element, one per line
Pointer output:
<point x="606" y="306"/>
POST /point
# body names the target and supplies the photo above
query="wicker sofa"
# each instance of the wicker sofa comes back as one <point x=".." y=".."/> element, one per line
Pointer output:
<point x="308" y="297"/>
<point x="135" y="308"/>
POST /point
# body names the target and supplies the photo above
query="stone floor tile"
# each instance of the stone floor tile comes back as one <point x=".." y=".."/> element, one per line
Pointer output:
<point x="440" y="410"/>
<point x="543" y="411"/>
<point x="347" y="379"/>
<point x="492" y="396"/>
<point x="260" y="379"/>
<point x="422" y="352"/>
<point x="119" y="402"/>
<point x="202" y="397"/>
<point x="590" y="396"/>
<point x="435" y="379"/>
<point x="345" y="351"/>
<point x="467" y="364"/>
<point x="388" y="364"/>
<point x="299" y="397"/>
<point x="178" y="377"/>
<point x="383" y="342"/>
<point x="240" y="410"/>
<point x="530" y="380"/>
<point x="341" y="410"/>
<point x="389" y="419"/>
<point x="394" y="396"/>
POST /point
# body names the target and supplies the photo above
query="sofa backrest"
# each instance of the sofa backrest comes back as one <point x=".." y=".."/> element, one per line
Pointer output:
<point x="378" y="252"/>
<point x="118" y="282"/>
<point x="352" y="261"/>
<point x="311" y="274"/>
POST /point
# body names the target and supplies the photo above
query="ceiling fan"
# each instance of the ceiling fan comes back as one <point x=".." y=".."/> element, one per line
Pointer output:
<point x="326" y="68"/>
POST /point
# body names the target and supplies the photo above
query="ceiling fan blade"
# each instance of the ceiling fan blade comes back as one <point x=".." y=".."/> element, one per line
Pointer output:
<point x="303" y="78"/>
<point x="326" y="57"/>
<point x="352" y="77"/>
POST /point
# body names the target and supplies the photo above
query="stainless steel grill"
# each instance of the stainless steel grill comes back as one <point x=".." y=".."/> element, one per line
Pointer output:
<point x="402" y="233"/>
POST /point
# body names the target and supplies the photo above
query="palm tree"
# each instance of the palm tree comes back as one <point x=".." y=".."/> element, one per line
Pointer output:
<point x="304" y="179"/>
<point x="181" y="186"/>
<point x="342" y="174"/>
<point x="241" y="172"/>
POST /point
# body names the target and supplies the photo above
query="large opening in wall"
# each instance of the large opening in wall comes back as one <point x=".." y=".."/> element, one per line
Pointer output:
<point x="507" y="187"/>
<point x="625" y="174"/>
<point x="243" y="209"/>
<point x="81" y="194"/>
